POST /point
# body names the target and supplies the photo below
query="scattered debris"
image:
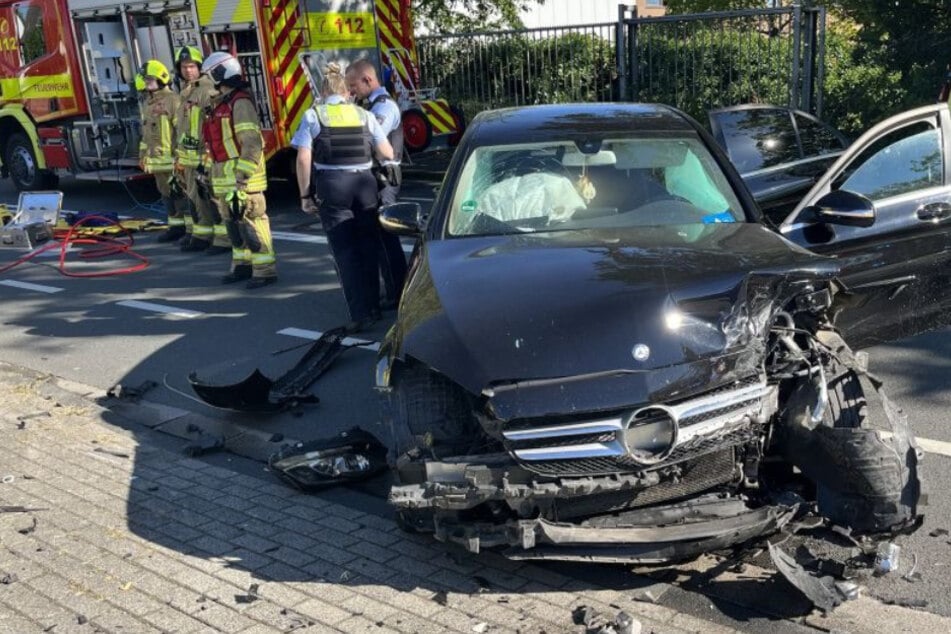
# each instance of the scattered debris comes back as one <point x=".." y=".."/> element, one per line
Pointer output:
<point x="482" y="582"/>
<point x="345" y="576"/>
<point x="906" y="603"/>
<point x="938" y="532"/>
<point x="127" y="393"/>
<point x="250" y="597"/>
<point x="848" y="589"/>
<point x="821" y="591"/>
<point x="20" y="509"/>
<point x="29" y="529"/>
<point x="8" y="578"/>
<point x="350" y="456"/>
<point x="502" y="599"/>
<point x="272" y="549"/>
<point x="258" y="393"/>
<point x="81" y="619"/>
<point x="110" y="452"/>
<point x="205" y="443"/>
<point x="624" y="623"/>
<point x="296" y="620"/>
<point x="596" y="623"/>
<point x="479" y="628"/>
<point x="912" y="576"/>
<point x="441" y="598"/>
<point x="8" y="479"/>
<point x="21" y="424"/>
<point x="886" y="557"/>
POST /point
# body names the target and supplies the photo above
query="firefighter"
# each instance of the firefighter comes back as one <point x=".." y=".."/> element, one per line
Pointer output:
<point x="365" y="86"/>
<point x="206" y="231"/>
<point x="341" y="139"/>
<point x="155" y="150"/>
<point x="232" y="134"/>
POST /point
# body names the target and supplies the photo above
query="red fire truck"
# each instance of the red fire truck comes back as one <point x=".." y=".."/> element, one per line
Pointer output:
<point x="66" y="73"/>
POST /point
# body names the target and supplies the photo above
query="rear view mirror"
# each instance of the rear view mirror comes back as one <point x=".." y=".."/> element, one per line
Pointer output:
<point x="843" y="207"/>
<point x="404" y="219"/>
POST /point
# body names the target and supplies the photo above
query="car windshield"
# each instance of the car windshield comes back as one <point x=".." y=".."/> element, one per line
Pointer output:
<point x="591" y="184"/>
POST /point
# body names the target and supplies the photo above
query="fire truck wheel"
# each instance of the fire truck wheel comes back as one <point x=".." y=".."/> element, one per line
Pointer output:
<point x="417" y="130"/>
<point x="459" y="121"/>
<point x="20" y="161"/>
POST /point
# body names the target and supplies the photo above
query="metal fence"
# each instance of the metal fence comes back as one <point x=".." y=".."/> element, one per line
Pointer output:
<point x="695" y="62"/>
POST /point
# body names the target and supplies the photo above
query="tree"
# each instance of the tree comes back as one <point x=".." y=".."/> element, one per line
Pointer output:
<point x="459" y="16"/>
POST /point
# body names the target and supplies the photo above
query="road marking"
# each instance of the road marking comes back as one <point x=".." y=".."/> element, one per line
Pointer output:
<point x="299" y="237"/>
<point x="939" y="447"/>
<point x="159" y="308"/>
<point x="31" y="287"/>
<point x="316" y="334"/>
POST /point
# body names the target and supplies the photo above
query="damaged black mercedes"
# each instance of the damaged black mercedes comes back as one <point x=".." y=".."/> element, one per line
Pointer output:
<point x="604" y="352"/>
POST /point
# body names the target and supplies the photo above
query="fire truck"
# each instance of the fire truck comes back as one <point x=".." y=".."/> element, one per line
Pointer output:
<point x="68" y="101"/>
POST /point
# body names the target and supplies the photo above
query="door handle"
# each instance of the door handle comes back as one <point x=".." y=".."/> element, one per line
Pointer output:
<point x="934" y="212"/>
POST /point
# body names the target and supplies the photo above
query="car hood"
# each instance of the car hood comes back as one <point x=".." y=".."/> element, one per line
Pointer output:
<point x="494" y="310"/>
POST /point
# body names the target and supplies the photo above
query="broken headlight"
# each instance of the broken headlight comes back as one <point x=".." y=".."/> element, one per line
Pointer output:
<point x="353" y="455"/>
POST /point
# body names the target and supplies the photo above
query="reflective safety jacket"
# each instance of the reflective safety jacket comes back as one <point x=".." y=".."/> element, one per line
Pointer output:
<point x="344" y="137"/>
<point x="155" y="149"/>
<point x="195" y="97"/>
<point x="235" y="146"/>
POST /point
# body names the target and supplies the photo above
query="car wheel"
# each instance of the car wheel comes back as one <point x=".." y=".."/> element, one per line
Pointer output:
<point x="417" y="130"/>
<point x="20" y="161"/>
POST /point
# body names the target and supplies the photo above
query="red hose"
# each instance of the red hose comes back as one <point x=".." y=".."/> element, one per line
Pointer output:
<point x="109" y="245"/>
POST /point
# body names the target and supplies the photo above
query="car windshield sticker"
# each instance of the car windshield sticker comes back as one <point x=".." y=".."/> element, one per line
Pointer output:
<point x="468" y="206"/>
<point x="723" y="216"/>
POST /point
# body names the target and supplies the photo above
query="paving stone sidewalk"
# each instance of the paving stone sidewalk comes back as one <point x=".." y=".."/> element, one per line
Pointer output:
<point x="119" y="534"/>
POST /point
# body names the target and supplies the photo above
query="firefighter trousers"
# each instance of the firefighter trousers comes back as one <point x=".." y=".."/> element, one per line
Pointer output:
<point x="251" y="241"/>
<point x="209" y="225"/>
<point x="392" y="258"/>
<point x="174" y="205"/>
<point x="348" y="213"/>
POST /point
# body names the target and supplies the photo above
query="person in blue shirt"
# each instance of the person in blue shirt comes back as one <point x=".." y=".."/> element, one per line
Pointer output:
<point x="365" y="86"/>
<point x="336" y="143"/>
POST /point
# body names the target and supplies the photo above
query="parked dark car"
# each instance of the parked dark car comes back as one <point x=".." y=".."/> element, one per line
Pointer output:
<point x="780" y="152"/>
<point x="604" y="354"/>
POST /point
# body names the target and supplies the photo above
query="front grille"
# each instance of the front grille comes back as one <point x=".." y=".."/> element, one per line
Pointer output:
<point x="716" y="420"/>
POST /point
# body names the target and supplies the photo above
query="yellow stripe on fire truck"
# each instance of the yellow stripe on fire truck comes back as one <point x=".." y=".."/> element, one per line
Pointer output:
<point x="439" y="115"/>
<point x="36" y="87"/>
<point x="218" y="12"/>
<point x="286" y="40"/>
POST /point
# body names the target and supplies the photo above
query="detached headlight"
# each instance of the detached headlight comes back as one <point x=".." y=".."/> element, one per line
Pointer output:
<point x="351" y="456"/>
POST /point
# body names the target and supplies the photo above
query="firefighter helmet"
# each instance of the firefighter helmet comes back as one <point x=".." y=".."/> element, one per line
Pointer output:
<point x="187" y="54"/>
<point x="156" y="69"/>
<point x="223" y="68"/>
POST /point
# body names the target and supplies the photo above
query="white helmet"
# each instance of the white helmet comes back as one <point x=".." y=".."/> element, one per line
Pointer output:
<point x="222" y="67"/>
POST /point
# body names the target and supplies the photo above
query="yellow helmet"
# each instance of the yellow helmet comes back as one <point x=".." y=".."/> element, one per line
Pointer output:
<point x="156" y="69"/>
<point x="188" y="54"/>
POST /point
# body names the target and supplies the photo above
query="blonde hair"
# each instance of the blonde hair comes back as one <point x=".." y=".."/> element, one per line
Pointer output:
<point x="333" y="82"/>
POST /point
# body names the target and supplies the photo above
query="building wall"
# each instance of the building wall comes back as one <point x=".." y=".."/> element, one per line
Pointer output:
<point x="571" y="12"/>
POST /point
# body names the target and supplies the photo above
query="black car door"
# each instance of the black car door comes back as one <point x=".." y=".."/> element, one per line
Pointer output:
<point x="896" y="270"/>
<point x="780" y="152"/>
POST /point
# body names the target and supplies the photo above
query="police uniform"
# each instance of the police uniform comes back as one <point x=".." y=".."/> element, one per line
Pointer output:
<point x="343" y="136"/>
<point x="155" y="152"/>
<point x="232" y="135"/>
<point x="392" y="258"/>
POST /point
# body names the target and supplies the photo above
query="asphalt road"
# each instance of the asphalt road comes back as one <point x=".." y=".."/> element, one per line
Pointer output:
<point x="175" y="318"/>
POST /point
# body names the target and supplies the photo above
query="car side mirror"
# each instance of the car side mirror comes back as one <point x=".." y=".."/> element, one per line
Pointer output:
<point x="842" y="207"/>
<point x="405" y="219"/>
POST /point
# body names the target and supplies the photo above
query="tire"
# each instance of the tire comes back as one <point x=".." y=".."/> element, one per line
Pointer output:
<point x="20" y="161"/>
<point x="417" y="130"/>
<point x="848" y="408"/>
<point x="459" y="119"/>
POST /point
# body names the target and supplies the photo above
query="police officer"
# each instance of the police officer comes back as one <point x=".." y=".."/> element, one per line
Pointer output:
<point x="155" y="149"/>
<point x="341" y="139"/>
<point x="203" y="226"/>
<point x="232" y="134"/>
<point x="365" y="85"/>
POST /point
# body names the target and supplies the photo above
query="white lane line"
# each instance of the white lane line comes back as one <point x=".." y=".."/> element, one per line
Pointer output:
<point x="927" y="444"/>
<point x="159" y="308"/>
<point x="315" y="334"/>
<point x="299" y="237"/>
<point x="31" y="287"/>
